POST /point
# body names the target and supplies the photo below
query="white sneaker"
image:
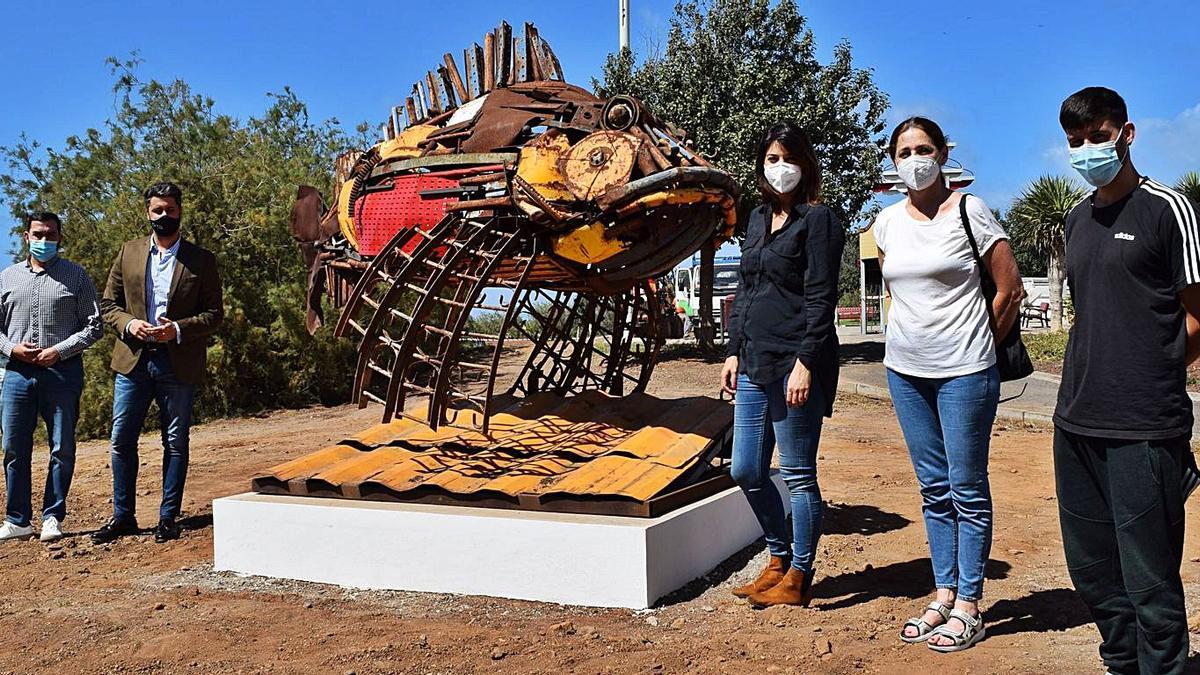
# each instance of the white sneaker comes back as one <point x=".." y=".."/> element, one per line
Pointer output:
<point x="51" y="530"/>
<point x="10" y="531"/>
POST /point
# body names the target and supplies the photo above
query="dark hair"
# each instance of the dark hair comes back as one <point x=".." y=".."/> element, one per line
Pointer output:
<point x="164" y="190"/>
<point x="44" y="217"/>
<point x="1092" y="106"/>
<point x="795" y="140"/>
<point x="931" y="129"/>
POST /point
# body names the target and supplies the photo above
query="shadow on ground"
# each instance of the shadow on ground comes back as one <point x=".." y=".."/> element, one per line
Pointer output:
<point x="199" y="521"/>
<point x="838" y="519"/>
<point x="860" y="519"/>
<point x="1054" y="609"/>
<point x="912" y="579"/>
<point x="731" y="566"/>
<point x="861" y="352"/>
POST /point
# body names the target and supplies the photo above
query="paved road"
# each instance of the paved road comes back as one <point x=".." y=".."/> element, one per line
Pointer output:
<point x="1031" y="399"/>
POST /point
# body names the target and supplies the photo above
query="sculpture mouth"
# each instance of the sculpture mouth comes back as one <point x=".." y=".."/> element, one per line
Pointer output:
<point x="649" y="224"/>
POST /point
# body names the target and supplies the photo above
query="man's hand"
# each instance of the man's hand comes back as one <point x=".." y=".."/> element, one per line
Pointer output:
<point x="26" y="351"/>
<point x="164" y="331"/>
<point x="729" y="376"/>
<point x="798" y="385"/>
<point x="141" y="330"/>
<point x="47" y="357"/>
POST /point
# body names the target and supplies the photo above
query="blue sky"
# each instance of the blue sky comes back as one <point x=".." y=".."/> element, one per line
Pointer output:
<point x="993" y="74"/>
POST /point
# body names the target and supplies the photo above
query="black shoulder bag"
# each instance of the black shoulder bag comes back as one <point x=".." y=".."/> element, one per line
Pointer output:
<point x="1012" y="360"/>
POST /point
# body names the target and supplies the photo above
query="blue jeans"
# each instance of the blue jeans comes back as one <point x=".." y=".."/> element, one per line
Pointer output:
<point x="947" y="424"/>
<point x="761" y="418"/>
<point x="152" y="379"/>
<point x="52" y="393"/>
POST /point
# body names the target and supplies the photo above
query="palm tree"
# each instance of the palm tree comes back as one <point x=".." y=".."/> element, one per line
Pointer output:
<point x="1037" y="218"/>
<point x="1189" y="184"/>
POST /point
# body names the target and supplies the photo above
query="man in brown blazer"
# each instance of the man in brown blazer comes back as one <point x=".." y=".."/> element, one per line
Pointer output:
<point x="163" y="298"/>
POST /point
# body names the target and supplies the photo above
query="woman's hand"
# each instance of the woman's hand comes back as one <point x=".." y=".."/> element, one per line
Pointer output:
<point x="729" y="376"/>
<point x="798" y="385"/>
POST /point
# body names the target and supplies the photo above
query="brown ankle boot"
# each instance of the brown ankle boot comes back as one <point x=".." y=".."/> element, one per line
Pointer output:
<point x="773" y="574"/>
<point x="794" y="589"/>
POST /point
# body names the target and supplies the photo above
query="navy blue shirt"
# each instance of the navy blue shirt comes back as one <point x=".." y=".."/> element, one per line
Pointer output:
<point x="786" y="297"/>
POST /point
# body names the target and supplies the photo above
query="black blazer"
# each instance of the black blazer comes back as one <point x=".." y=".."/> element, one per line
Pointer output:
<point x="786" y="299"/>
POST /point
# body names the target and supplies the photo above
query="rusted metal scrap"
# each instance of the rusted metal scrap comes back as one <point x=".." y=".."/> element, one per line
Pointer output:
<point x="506" y="208"/>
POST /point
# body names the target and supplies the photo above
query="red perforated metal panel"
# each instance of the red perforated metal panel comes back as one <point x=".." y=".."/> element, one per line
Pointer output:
<point x="380" y="215"/>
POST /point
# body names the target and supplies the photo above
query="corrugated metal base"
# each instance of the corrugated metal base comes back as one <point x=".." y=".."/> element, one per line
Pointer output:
<point x="590" y="453"/>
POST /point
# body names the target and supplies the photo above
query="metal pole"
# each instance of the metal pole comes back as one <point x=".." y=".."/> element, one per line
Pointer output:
<point x="624" y="24"/>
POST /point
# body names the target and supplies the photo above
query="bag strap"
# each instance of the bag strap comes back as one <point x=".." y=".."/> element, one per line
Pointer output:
<point x="983" y="270"/>
<point x="966" y="223"/>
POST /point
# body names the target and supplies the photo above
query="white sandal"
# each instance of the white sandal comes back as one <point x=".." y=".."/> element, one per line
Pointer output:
<point x="924" y="630"/>
<point x="972" y="632"/>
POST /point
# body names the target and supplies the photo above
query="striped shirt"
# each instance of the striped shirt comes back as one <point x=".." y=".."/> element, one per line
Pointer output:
<point x="54" y="307"/>
<point x="1125" y="371"/>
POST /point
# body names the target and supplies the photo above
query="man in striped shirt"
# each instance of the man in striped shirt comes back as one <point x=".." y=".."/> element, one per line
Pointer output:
<point x="48" y="315"/>
<point x="1122" y="458"/>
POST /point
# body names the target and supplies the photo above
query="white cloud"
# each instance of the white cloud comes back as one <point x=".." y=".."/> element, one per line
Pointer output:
<point x="1167" y="148"/>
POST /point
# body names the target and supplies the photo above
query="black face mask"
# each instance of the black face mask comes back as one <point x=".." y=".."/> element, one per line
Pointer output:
<point x="165" y="225"/>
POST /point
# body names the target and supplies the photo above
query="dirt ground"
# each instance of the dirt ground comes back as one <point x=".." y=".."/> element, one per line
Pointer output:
<point x="138" y="607"/>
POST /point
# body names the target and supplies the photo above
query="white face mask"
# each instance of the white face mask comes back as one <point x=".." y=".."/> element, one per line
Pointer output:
<point x="918" y="171"/>
<point x="783" y="177"/>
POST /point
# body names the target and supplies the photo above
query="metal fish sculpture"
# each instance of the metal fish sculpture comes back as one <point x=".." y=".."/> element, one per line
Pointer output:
<point x="507" y="209"/>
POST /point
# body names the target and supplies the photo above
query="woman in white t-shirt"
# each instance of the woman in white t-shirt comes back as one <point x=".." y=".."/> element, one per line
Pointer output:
<point x="941" y="367"/>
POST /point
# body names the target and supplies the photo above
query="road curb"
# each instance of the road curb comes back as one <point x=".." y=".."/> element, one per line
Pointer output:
<point x="881" y="393"/>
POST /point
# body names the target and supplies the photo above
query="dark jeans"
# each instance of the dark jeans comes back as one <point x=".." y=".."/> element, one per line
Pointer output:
<point x="947" y="425"/>
<point x="1120" y="503"/>
<point x="152" y="379"/>
<point x="761" y="418"/>
<point x="52" y="393"/>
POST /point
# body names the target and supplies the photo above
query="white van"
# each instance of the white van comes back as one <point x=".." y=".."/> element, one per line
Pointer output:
<point x="686" y="279"/>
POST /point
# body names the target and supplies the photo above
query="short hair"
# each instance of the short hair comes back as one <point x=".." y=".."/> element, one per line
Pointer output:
<point x="164" y="190"/>
<point x="1092" y="106"/>
<point x="44" y="217"/>
<point x="796" y="141"/>
<point x="931" y="129"/>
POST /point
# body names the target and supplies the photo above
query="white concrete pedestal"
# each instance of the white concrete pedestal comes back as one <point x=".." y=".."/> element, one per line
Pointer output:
<point x="603" y="561"/>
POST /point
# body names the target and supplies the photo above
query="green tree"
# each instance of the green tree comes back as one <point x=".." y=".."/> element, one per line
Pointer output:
<point x="1030" y="261"/>
<point x="1189" y="184"/>
<point x="731" y="68"/>
<point x="239" y="178"/>
<point x="1037" y="219"/>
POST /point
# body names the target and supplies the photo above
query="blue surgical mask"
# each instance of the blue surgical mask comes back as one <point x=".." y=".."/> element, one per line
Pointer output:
<point x="1098" y="163"/>
<point x="43" y="250"/>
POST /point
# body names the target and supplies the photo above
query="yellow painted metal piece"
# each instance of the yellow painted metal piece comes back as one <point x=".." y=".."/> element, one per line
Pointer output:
<point x="601" y="161"/>
<point x="404" y="145"/>
<point x="590" y="243"/>
<point x="587" y="244"/>
<point x="679" y="197"/>
<point x="345" y="222"/>
<point x="538" y="168"/>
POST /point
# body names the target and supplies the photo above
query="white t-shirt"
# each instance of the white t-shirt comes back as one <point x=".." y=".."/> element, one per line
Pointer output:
<point x="938" y="321"/>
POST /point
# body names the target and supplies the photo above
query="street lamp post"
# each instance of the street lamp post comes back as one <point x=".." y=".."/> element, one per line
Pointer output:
<point x="624" y="24"/>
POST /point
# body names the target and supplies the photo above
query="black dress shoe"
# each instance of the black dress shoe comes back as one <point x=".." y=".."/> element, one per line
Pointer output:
<point x="113" y="529"/>
<point x="166" y="531"/>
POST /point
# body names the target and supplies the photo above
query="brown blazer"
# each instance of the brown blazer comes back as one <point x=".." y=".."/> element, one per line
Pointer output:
<point x="194" y="303"/>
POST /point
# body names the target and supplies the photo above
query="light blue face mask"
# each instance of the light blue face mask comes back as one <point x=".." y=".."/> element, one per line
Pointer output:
<point x="1098" y="163"/>
<point x="43" y="250"/>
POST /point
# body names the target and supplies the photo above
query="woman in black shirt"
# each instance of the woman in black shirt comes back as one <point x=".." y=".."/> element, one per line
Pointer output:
<point x="783" y="358"/>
